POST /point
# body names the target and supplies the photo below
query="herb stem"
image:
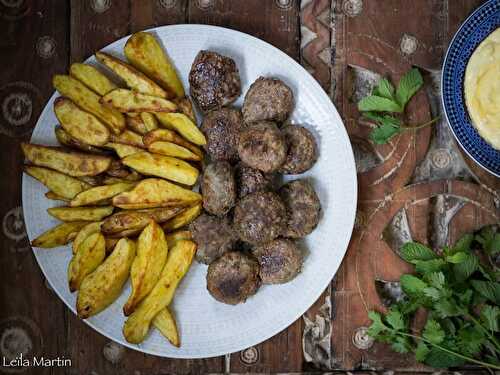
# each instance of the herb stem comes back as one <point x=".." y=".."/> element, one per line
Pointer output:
<point x="435" y="119"/>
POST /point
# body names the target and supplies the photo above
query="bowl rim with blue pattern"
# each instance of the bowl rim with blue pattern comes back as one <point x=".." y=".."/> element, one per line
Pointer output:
<point x="476" y="28"/>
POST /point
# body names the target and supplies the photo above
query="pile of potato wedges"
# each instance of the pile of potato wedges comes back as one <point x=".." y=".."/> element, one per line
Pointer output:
<point x="129" y="156"/>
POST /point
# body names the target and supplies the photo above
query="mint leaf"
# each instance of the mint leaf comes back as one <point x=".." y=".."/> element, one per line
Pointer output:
<point x="378" y="104"/>
<point x="490" y="316"/>
<point x="445" y="308"/>
<point x="413" y="251"/>
<point x="395" y="320"/>
<point x="436" y="279"/>
<point x="456" y="258"/>
<point x="409" y="84"/>
<point x="432" y="293"/>
<point x="429" y="266"/>
<point x="412" y="285"/>
<point x="421" y="352"/>
<point x="433" y="332"/>
<point x="488" y="289"/>
<point x="385" y="89"/>
<point x="463" y="244"/>
<point x="440" y="359"/>
<point x="465" y="269"/>
<point x="489" y="239"/>
<point x="470" y="340"/>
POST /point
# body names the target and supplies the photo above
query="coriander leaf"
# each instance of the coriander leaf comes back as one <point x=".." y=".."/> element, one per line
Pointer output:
<point x="470" y="340"/>
<point x="401" y="344"/>
<point x="383" y="133"/>
<point x="462" y="245"/>
<point x="433" y="332"/>
<point x="429" y="266"/>
<point x="409" y="84"/>
<point x="378" y="104"/>
<point x="377" y="325"/>
<point x="490" y="316"/>
<point x="395" y="320"/>
<point x="488" y="289"/>
<point x="462" y="271"/>
<point x="441" y="359"/>
<point x="384" y="89"/>
<point x="456" y="258"/>
<point x="412" y="251"/>
<point x="421" y="352"/>
<point x="412" y="286"/>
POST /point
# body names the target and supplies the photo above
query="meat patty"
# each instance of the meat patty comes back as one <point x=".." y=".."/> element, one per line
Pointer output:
<point x="250" y="180"/>
<point x="233" y="278"/>
<point x="218" y="188"/>
<point x="302" y="149"/>
<point x="267" y="99"/>
<point x="280" y="261"/>
<point x="222" y="130"/>
<point x="262" y="146"/>
<point x="213" y="235"/>
<point x="259" y="217"/>
<point x="303" y="208"/>
<point x="214" y="80"/>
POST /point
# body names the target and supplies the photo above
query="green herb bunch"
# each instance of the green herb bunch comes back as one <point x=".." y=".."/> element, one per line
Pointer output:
<point x="460" y="293"/>
<point x="385" y="102"/>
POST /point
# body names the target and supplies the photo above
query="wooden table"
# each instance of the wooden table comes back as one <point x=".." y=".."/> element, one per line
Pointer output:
<point x="419" y="186"/>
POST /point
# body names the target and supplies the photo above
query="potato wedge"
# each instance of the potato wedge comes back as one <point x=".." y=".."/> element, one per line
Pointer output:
<point x="185" y="105"/>
<point x="183" y="219"/>
<point x="60" y="235"/>
<point x="174" y="237"/>
<point x="135" y="102"/>
<point x="150" y="121"/>
<point x="165" y="323"/>
<point x="167" y="135"/>
<point x="178" y="262"/>
<point x="128" y="137"/>
<point x="100" y="288"/>
<point x="183" y="125"/>
<point x="79" y="124"/>
<point x="147" y="266"/>
<point x="154" y="192"/>
<point x="54" y="197"/>
<point x="86" y="231"/>
<point x="80" y="213"/>
<point x="88" y="257"/>
<point x="162" y="166"/>
<point x="92" y="180"/>
<point x="71" y="163"/>
<point x="123" y="150"/>
<point x="145" y="53"/>
<point x="133" y="221"/>
<point x="136" y="124"/>
<point x="133" y="176"/>
<point x="99" y="193"/>
<point x="172" y="149"/>
<point x="132" y="77"/>
<point x="59" y="183"/>
<point x="110" y="243"/>
<point x="66" y="140"/>
<point x="92" y="78"/>
<point x="88" y="100"/>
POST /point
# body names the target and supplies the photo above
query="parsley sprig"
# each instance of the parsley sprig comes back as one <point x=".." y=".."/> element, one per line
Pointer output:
<point x="385" y="101"/>
<point x="460" y="294"/>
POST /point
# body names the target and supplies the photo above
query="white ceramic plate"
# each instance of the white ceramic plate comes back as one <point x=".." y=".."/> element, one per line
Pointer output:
<point x="209" y="328"/>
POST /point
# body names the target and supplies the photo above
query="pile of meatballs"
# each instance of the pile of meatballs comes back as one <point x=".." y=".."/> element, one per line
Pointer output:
<point x="248" y="231"/>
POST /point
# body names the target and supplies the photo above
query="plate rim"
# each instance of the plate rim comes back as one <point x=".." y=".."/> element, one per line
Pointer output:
<point x="349" y="220"/>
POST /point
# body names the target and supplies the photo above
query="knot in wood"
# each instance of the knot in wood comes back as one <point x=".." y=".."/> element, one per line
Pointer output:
<point x="441" y="158"/>
<point x="100" y="6"/>
<point x="167" y="4"/>
<point x="284" y="4"/>
<point x="12" y="3"/>
<point x="113" y="352"/>
<point x="205" y="4"/>
<point x="361" y="339"/>
<point x="13" y="224"/>
<point x="45" y="47"/>
<point x="249" y="356"/>
<point x="408" y="44"/>
<point x="352" y="8"/>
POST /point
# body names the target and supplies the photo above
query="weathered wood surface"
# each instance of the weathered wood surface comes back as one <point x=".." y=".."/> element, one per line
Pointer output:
<point x="417" y="187"/>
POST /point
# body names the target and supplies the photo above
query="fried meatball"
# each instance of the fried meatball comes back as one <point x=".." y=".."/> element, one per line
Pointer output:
<point x="263" y="147"/>
<point x="280" y="261"/>
<point x="302" y="150"/>
<point x="218" y="188"/>
<point x="259" y="217"/>
<point x="213" y="235"/>
<point x="303" y="208"/>
<point x="222" y="130"/>
<point x="267" y="99"/>
<point x="233" y="278"/>
<point x="214" y="80"/>
<point x="250" y="180"/>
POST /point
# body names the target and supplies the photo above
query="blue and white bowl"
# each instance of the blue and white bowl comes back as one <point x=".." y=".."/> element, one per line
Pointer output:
<point x="481" y="23"/>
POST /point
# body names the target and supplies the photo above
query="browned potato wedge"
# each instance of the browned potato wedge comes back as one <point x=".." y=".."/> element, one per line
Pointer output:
<point x="133" y="176"/>
<point x="154" y="192"/>
<point x="176" y="236"/>
<point x="165" y="323"/>
<point x="162" y="166"/>
<point x="110" y="243"/>
<point x="80" y="125"/>
<point x="100" y="288"/>
<point x="60" y="235"/>
<point x="88" y="100"/>
<point x="183" y="219"/>
<point x="80" y="213"/>
<point x="123" y="150"/>
<point x="92" y="78"/>
<point x="167" y="135"/>
<point x="172" y="149"/>
<point x="145" y="53"/>
<point x="147" y="266"/>
<point x="179" y="260"/>
<point x="54" y="197"/>
<point x="59" y="183"/>
<point x="150" y="121"/>
<point x="132" y="77"/>
<point x="185" y="105"/>
<point x="136" y="123"/>
<point x="66" y="140"/>
<point x="89" y="255"/>
<point x="133" y="221"/>
<point x="183" y="125"/>
<point x="70" y="163"/>
<point x="128" y="137"/>
<point x="92" y="180"/>
<point x="135" y="102"/>
<point x="99" y="193"/>
<point x="86" y="231"/>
